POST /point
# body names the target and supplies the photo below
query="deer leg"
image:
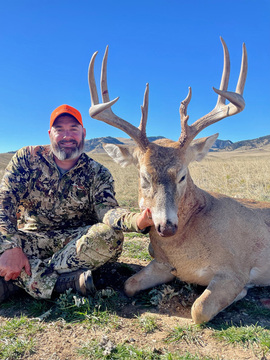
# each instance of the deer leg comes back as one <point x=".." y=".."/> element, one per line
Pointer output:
<point x="153" y="274"/>
<point x="222" y="291"/>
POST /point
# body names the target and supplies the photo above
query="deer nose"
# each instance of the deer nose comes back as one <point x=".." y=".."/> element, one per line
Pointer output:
<point x="167" y="229"/>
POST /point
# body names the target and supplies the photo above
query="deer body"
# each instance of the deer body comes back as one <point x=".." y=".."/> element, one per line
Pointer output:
<point x="200" y="237"/>
<point x="220" y="242"/>
<point x="207" y="245"/>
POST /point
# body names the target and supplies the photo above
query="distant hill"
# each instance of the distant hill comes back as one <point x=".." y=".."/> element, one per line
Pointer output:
<point x="227" y="145"/>
<point x="95" y="145"/>
<point x="259" y="143"/>
<point x="222" y="145"/>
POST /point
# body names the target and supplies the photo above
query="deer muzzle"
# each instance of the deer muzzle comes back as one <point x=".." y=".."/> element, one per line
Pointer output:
<point x="166" y="229"/>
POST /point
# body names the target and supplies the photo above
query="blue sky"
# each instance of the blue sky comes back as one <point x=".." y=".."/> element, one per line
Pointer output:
<point x="46" y="47"/>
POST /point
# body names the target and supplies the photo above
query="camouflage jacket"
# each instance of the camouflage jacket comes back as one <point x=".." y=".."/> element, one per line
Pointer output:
<point x="35" y="197"/>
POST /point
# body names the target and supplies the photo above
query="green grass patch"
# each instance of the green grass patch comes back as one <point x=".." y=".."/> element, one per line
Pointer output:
<point x="189" y="334"/>
<point x="131" y="235"/>
<point x="251" y="308"/>
<point x="36" y="308"/>
<point x="148" y="323"/>
<point x="23" y="324"/>
<point x="96" y="310"/>
<point x="106" y="350"/>
<point x="16" y="348"/>
<point x="16" y="338"/>
<point x="70" y="307"/>
<point x="136" y="249"/>
<point x="245" y="335"/>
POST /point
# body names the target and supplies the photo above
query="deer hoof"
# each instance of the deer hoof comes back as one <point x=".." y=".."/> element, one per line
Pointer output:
<point x="198" y="313"/>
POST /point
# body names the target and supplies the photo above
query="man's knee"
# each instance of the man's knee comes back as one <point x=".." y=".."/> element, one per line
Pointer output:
<point x="100" y="245"/>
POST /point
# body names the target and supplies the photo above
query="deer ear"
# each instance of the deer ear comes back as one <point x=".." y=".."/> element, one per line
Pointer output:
<point x="200" y="147"/>
<point x="123" y="155"/>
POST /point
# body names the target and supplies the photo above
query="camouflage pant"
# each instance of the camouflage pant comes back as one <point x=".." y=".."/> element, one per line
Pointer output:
<point x="54" y="252"/>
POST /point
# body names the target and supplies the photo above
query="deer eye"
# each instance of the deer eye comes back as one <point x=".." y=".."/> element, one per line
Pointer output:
<point x="182" y="178"/>
<point x="145" y="183"/>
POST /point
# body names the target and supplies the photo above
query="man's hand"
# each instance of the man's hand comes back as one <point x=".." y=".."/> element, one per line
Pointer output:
<point x="145" y="219"/>
<point x="12" y="262"/>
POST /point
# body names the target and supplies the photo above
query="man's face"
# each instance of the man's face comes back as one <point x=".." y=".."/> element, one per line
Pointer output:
<point x="67" y="138"/>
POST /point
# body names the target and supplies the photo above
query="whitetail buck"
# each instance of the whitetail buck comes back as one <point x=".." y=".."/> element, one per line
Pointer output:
<point x="200" y="237"/>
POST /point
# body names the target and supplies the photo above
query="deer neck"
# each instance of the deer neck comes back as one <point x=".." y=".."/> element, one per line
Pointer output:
<point x="193" y="201"/>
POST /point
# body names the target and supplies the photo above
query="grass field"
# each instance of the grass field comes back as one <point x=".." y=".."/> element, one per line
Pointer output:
<point x="156" y="324"/>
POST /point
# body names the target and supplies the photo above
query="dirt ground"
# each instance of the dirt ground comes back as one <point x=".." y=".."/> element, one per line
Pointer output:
<point x="60" y="339"/>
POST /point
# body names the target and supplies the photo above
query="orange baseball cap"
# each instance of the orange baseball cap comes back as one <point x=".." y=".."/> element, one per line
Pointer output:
<point x="65" y="109"/>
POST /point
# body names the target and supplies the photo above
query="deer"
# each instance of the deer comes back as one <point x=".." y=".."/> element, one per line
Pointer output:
<point x="204" y="238"/>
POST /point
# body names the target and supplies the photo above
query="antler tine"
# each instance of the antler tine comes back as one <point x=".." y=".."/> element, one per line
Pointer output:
<point x="236" y="99"/>
<point x="103" y="78"/>
<point x="225" y="74"/>
<point x="243" y="72"/>
<point x="144" y="110"/>
<point x="221" y="110"/>
<point x="96" y="107"/>
<point x="184" y="118"/>
<point x="103" y="111"/>
<point x="92" y="82"/>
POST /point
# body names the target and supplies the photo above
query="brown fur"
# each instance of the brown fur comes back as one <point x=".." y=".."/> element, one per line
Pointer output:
<point x="220" y="242"/>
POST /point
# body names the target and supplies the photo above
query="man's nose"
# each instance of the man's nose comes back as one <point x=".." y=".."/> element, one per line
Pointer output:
<point x="66" y="134"/>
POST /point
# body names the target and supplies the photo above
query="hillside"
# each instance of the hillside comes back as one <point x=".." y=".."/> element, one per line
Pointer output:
<point x="95" y="145"/>
<point x="259" y="143"/>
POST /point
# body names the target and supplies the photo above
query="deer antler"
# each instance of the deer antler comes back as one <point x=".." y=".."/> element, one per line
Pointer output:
<point x="221" y="110"/>
<point x="103" y="111"/>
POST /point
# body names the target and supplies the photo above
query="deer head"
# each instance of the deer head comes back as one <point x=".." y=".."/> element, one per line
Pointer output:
<point x="165" y="182"/>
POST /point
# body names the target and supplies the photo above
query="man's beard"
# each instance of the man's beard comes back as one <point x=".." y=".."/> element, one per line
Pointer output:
<point x="67" y="153"/>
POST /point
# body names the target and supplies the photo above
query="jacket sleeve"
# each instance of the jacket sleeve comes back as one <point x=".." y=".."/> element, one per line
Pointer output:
<point x="121" y="219"/>
<point x="106" y="206"/>
<point x="12" y="188"/>
<point x="103" y="194"/>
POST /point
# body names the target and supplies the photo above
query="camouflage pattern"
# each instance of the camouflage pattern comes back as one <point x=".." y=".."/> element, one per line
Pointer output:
<point x="55" y="252"/>
<point x="57" y="219"/>
<point x="120" y="219"/>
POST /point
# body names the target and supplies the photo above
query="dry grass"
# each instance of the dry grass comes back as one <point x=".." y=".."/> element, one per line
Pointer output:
<point x="126" y="180"/>
<point x="243" y="175"/>
<point x="4" y="159"/>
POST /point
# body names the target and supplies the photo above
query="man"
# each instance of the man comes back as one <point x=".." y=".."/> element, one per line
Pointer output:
<point x="59" y="218"/>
